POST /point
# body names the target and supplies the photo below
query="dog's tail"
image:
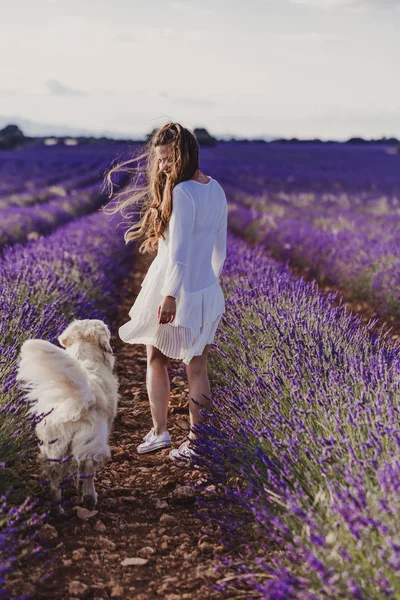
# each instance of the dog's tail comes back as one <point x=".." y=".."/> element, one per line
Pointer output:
<point x="54" y="381"/>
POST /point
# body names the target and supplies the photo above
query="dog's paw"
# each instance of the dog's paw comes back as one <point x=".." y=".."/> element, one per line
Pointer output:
<point x="89" y="502"/>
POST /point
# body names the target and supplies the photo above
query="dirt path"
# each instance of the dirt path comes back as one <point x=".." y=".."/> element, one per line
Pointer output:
<point x="142" y="512"/>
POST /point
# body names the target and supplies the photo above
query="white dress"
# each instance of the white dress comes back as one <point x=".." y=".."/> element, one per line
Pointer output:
<point x="187" y="266"/>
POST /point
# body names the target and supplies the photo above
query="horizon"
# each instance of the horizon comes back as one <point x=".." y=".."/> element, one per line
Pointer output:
<point x="33" y="130"/>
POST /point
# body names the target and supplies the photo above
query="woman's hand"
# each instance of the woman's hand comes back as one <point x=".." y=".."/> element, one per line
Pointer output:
<point x="167" y="310"/>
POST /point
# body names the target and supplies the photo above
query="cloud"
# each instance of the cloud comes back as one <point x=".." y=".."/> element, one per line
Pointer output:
<point x="8" y="92"/>
<point x="351" y="5"/>
<point x="144" y="34"/>
<point x="312" y="37"/>
<point x="189" y="8"/>
<point x="56" y="88"/>
<point x="150" y="34"/>
<point x="187" y="100"/>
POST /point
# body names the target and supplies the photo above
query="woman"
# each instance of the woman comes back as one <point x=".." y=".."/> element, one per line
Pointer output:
<point x="180" y="304"/>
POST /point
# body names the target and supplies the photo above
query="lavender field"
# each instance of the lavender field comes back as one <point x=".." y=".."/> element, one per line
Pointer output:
<point x="303" y="437"/>
<point x="334" y="209"/>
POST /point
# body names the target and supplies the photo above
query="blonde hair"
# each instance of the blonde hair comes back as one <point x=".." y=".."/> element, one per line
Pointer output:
<point x="154" y="195"/>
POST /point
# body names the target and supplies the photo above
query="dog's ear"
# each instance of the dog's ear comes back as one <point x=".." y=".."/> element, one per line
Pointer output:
<point x="103" y="339"/>
<point x="68" y="336"/>
<point x="104" y="343"/>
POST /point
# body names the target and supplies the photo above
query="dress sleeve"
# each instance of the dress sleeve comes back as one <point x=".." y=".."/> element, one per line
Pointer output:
<point x="180" y="231"/>
<point x="219" y="250"/>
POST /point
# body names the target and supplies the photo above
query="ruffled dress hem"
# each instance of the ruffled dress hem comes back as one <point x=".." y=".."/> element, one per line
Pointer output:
<point x="163" y="343"/>
<point x="195" y="324"/>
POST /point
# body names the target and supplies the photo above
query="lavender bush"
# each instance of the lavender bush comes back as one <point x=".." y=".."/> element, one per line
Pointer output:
<point x="74" y="273"/>
<point x="303" y="437"/>
<point x="18" y="539"/>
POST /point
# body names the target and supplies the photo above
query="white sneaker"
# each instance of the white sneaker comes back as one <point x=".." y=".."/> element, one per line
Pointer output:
<point x="183" y="453"/>
<point x="154" y="442"/>
<point x="149" y="434"/>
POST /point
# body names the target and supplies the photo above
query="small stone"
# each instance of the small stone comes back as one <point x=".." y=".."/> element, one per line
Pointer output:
<point x="48" y="532"/>
<point x="99" y="526"/>
<point x="67" y="562"/>
<point x="85" y="514"/>
<point x="166" y="519"/>
<point x="78" y="554"/>
<point x="128" y="422"/>
<point x="105" y="544"/>
<point x="183" y="494"/>
<point x="117" y="591"/>
<point x="205" y="547"/>
<point x="134" y="561"/>
<point x="146" y="551"/>
<point x="160" y="504"/>
<point x="171" y="579"/>
<point x="120" y="455"/>
<point x="162" y="589"/>
<point x="187" y="555"/>
<point x="78" y="589"/>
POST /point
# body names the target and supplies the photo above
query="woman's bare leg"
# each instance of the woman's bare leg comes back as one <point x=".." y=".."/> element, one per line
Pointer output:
<point x="199" y="384"/>
<point x="158" y="387"/>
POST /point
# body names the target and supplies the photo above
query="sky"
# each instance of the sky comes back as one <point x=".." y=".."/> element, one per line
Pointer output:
<point x="262" y="68"/>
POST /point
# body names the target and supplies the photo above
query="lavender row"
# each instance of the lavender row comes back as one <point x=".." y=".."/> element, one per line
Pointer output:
<point x="287" y="171"/>
<point x="76" y="272"/>
<point x="355" y="253"/>
<point x="21" y="224"/>
<point x="39" y="194"/>
<point x="303" y="439"/>
<point x="27" y="172"/>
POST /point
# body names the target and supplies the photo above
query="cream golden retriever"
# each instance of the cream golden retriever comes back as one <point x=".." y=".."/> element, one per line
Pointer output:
<point x="77" y="392"/>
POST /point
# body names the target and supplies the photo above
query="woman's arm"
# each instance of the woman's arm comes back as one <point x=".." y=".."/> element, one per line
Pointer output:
<point x="180" y="231"/>
<point x="219" y="250"/>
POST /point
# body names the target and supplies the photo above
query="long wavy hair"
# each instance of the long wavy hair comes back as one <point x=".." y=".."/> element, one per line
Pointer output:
<point x="148" y="187"/>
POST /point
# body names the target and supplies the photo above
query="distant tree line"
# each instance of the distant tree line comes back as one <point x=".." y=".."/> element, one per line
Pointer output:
<point x="12" y="138"/>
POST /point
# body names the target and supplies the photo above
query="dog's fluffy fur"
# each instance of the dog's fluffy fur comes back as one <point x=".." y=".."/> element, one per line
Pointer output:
<point x="78" y="387"/>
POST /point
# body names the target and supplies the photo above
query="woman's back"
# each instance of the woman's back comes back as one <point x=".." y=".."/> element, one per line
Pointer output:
<point x="195" y="236"/>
